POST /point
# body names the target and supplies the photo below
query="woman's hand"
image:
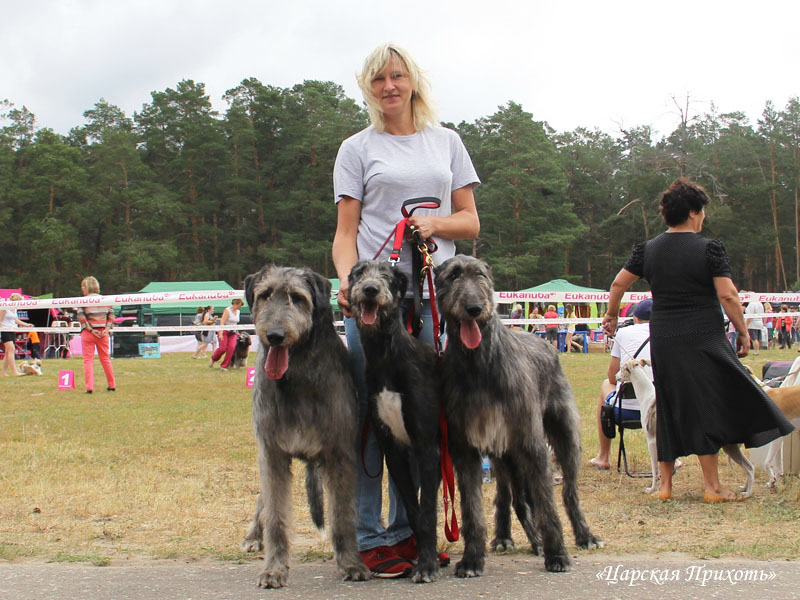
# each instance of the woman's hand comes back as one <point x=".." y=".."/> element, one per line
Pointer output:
<point x="343" y="297"/>
<point x="742" y="345"/>
<point x="610" y="325"/>
<point x="425" y="225"/>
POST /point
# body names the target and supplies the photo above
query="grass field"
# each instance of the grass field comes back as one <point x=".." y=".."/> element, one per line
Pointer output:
<point x="166" y="468"/>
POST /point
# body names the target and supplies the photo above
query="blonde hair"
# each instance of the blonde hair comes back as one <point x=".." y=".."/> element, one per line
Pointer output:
<point x="91" y="284"/>
<point x="422" y="110"/>
<point x="16" y="296"/>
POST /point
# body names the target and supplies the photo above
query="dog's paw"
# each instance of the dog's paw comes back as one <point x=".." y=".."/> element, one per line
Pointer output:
<point x="469" y="568"/>
<point x="558" y="563"/>
<point x="536" y="545"/>
<point x="355" y="572"/>
<point x="273" y="579"/>
<point x="425" y="574"/>
<point x="592" y="542"/>
<point x="501" y="544"/>
<point x="252" y="545"/>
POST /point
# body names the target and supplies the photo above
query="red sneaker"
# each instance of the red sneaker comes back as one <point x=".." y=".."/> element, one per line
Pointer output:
<point x="385" y="563"/>
<point x="408" y="550"/>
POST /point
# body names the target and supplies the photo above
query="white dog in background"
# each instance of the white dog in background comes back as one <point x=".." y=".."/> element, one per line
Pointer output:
<point x="30" y="367"/>
<point x="633" y="371"/>
<point x="787" y="398"/>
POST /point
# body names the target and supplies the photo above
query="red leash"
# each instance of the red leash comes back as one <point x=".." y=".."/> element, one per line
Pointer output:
<point x="451" y="531"/>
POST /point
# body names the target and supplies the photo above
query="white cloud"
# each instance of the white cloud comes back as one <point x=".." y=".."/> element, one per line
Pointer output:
<point x="579" y="63"/>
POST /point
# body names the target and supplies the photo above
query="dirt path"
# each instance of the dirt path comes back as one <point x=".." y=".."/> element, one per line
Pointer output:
<point x="514" y="576"/>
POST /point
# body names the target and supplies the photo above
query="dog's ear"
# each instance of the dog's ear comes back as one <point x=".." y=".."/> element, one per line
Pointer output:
<point x="355" y="272"/>
<point x="399" y="283"/>
<point x="439" y="270"/>
<point x="320" y="290"/>
<point x="248" y="289"/>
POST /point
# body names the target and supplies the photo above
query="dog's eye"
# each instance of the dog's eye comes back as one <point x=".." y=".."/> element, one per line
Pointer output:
<point x="297" y="298"/>
<point x="265" y="294"/>
<point x="454" y="274"/>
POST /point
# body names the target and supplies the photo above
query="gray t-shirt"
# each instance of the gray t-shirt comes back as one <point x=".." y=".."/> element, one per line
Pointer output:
<point x="383" y="170"/>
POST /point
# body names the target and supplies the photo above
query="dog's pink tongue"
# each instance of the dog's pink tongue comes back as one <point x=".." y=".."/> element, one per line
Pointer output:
<point x="369" y="313"/>
<point x="277" y="362"/>
<point x="470" y="334"/>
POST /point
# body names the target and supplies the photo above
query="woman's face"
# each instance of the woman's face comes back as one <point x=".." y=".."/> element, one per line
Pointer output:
<point x="392" y="88"/>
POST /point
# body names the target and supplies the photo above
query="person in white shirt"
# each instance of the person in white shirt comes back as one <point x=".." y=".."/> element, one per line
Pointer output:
<point x="9" y="320"/>
<point x="626" y="344"/>
<point x="755" y="327"/>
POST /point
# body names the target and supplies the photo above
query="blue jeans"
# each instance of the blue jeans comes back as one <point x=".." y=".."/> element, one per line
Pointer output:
<point x="369" y="494"/>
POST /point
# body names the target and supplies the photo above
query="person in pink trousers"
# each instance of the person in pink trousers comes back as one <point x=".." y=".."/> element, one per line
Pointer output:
<point x="227" y="345"/>
<point x="96" y="322"/>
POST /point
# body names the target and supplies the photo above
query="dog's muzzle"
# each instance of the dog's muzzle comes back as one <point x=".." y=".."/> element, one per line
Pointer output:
<point x="277" y="362"/>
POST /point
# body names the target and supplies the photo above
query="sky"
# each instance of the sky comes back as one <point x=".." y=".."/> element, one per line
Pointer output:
<point x="608" y="65"/>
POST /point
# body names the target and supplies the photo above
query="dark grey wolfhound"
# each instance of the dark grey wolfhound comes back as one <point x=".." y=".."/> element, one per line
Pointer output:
<point x="304" y="406"/>
<point x="506" y="396"/>
<point x="403" y="394"/>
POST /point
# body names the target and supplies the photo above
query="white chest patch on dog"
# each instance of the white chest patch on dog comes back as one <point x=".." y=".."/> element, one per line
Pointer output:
<point x="488" y="432"/>
<point x="390" y="411"/>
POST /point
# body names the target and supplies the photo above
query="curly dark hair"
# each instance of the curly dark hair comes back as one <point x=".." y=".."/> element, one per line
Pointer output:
<point x="682" y="197"/>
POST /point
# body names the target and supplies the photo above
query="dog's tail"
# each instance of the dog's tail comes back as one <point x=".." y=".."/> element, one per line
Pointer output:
<point x="315" y="496"/>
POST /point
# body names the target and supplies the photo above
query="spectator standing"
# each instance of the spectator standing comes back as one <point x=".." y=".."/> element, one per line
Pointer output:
<point x="785" y="326"/>
<point x="197" y="321"/>
<point x="705" y="398"/>
<point x="755" y="326"/>
<point x="551" y="329"/>
<point x="10" y="320"/>
<point x="96" y="322"/>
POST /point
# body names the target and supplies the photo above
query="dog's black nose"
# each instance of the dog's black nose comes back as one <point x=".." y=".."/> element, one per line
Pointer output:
<point x="474" y="310"/>
<point x="276" y="336"/>
<point x="370" y="290"/>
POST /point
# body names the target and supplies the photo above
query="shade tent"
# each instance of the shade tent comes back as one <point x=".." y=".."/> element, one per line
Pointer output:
<point x="561" y="285"/>
<point x="189" y="306"/>
<point x="179" y="313"/>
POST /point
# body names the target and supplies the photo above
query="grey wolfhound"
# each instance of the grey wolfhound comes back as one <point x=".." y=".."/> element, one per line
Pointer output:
<point x="304" y="406"/>
<point x="403" y="395"/>
<point x="506" y="396"/>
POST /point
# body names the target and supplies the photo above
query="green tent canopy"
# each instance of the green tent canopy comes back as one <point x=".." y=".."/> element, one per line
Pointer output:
<point x="560" y="285"/>
<point x="188" y="308"/>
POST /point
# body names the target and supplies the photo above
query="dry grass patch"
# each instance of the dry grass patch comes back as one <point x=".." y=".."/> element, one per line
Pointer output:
<point x="166" y="468"/>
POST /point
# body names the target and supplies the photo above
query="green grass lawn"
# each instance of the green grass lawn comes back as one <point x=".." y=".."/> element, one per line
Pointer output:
<point x="166" y="467"/>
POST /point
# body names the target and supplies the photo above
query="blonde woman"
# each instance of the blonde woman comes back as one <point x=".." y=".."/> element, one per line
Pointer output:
<point x="9" y="320"/>
<point x="96" y="322"/>
<point x="404" y="154"/>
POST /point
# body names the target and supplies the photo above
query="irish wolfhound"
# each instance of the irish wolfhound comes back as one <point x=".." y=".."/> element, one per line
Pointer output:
<point x="403" y="392"/>
<point x="304" y="406"/>
<point x="506" y="396"/>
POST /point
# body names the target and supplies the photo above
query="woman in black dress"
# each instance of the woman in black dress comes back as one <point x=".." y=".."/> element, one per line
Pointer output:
<point x="704" y="396"/>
